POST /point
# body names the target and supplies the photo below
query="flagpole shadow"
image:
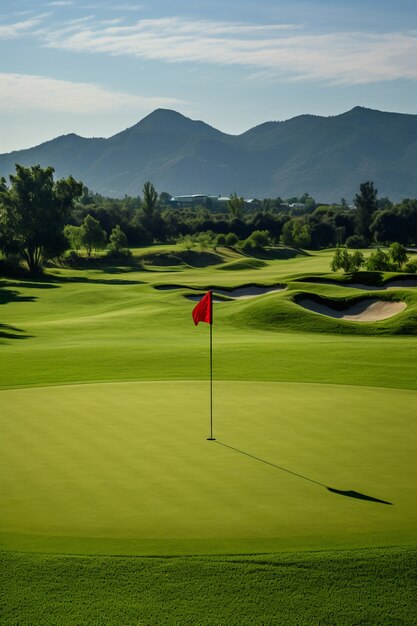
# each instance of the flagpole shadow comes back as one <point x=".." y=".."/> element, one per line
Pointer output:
<point x="340" y="492"/>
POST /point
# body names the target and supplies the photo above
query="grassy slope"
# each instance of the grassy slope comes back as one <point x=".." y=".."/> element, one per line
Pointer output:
<point x="96" y="325"/>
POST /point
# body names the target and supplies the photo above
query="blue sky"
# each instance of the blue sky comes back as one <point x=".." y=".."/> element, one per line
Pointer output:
<point x="96" y="67"/>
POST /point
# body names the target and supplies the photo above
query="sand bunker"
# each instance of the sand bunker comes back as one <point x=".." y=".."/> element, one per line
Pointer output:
<point x="240" y="293"/>
<point x="367" y="310"/>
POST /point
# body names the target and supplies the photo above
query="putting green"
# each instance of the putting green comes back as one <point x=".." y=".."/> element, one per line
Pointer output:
<point x="126" y="467"/>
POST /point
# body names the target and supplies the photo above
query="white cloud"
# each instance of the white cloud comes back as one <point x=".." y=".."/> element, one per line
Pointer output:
<point x="281" y="49"/>
<point x="23" y="92"/>
<point x="17" y="29"/>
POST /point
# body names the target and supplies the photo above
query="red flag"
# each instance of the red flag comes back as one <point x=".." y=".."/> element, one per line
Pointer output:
<point x="203" y="311"/>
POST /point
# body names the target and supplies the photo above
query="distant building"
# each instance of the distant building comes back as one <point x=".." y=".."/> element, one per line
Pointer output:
<point x="198" y="199"/>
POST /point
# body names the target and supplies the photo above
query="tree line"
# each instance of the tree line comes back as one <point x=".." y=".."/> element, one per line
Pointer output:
<point x="41" y="218"/>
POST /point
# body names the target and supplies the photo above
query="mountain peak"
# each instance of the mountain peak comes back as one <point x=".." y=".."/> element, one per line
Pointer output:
<point x="164" y="121"/>
<point x="327" y="156"/>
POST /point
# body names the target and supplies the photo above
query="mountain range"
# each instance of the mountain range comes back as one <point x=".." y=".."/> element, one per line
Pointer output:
<point x="328" y="157"/>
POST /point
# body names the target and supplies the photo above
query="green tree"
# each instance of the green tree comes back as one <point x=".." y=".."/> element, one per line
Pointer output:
<point x="33" y="211"/>
<point x="150" y="215"/>
<point x="118" y="240"/>
<point x="378" y="261"/>
<point x="231" y="240"/>
<point x="357" y="260"/>
<point x="366" y="204"/>
<point x="398" y="254"/>
<point x="73" y="234"/>
<point x="256" y="241"/>
<point x="338" y="259"/>
<point x="296" y="232"/>
<point x="343" y="260"/>
<point x="235" y="205"/>
<point x="355" y="241"/>
<point x="93" y="237"/>
<point x="149" y="200"/>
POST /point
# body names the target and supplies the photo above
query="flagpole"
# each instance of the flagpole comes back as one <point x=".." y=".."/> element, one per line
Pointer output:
<point x="211" y="438"/>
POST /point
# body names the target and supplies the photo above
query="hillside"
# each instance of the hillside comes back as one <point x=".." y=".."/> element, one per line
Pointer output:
<point x="326" y="156"/>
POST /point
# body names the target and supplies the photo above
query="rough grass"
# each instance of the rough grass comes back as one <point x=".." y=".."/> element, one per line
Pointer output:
<point x="354" y="587"/>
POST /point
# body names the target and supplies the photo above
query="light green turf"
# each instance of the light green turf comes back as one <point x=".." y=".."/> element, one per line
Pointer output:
<point x="114" y="325"/>
<point x="124" y="466"/>
<point x="130" y="461"/>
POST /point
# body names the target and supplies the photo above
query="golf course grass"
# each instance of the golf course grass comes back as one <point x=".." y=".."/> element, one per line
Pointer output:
<point x="104" y="418"/>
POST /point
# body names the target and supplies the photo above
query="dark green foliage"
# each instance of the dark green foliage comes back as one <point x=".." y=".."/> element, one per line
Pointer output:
<point x="411" y="266"/>
<point x="355" y="241"/>
<point x="258" y="240"/>
<point x="150" y="199"/>
<point x="348" y="262"/>
<point x="392" y="260"/>
<point x="398" y="255"/>
<point x="231" y="240"/>
<point x="33" y="215"/>
<point x="366" y="205"/>
<point x="296" y="232"/>
<point x="270" y="222"/>
<point x="117" y="240"/>
<point x="344" y="588"/>
<point x="379" y="261"/>
<point x="92" y="236"/>
<point x="396" y="223"/>
<point x="149" y="217"/>
<point x="73" y="234"/>
<point x="235" y="205"/>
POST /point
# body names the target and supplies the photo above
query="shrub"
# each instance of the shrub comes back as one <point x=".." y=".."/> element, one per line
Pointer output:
<point x="10" y="265"/>
<point x="398" y="254"/>
<point x="245" y="246"/>
<point x="259" y="238"/>
<point x="118" y="253"/>
<point x="186" y="242"/>
<point x="256" y="241"/>
<point x="356" y="241"/>
<point x="206" y="239"/>
<point x="72" y="258"/>
<point x="347" y="262"/>
<point x="379" y="261"/>
<point x="231" y="240"/>
<point x="73" y="235"/>
<point x="118" y="240"/>
<point x="411" y="266"/>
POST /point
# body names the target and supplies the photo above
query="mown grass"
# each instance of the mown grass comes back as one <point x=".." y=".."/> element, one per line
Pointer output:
<point x="121" y="469"/>
<point x="354" y="587"/>
<point x="130" y="461"/>
<point x="112" y="324"/>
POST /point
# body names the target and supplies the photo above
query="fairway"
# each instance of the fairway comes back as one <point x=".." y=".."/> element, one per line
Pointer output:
<point x="114" y="506"/>
<point x="126" y="467"/>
